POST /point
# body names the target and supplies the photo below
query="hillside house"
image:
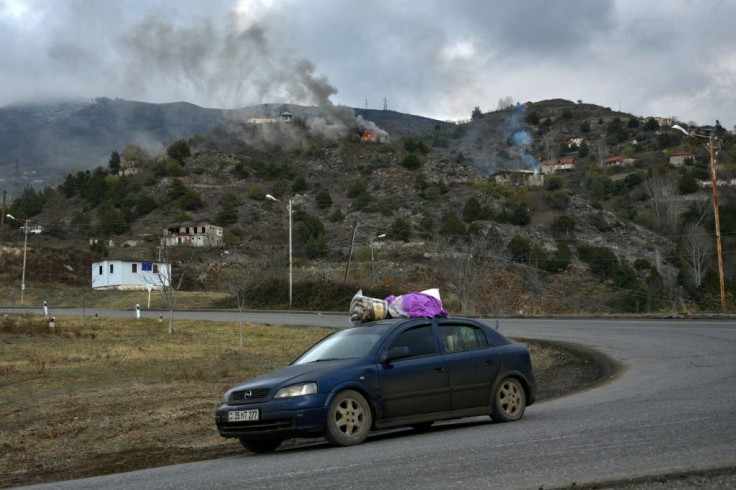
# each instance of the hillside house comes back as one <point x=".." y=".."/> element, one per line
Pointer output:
<point x="370" y="136"/>
<point x="518" y="177"/>
<point x="558" y="165"/>
<point x="285" y="117"/>
<point x="681" y="158"/>
<point x="129" y="275"/>
<point x="618" y="161"/>
<point x="575" y="142"/>
<point x="192" y="234"/>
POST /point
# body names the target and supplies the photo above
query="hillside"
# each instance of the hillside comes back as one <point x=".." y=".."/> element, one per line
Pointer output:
<point x="596" y="238"/>
<point x="47" y="141"/>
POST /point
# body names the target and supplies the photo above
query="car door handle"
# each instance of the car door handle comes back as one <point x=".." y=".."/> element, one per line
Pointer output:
<point x="439" y="369"/>
<point x="489" y="361"/>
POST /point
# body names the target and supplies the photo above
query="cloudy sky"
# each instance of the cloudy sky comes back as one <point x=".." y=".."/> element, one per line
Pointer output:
<point x="436" y="58"/>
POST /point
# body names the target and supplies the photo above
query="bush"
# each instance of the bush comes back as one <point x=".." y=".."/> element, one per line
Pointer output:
<point x="257" y="192"/>
<point x="401" y="229"/>
<point x="323" y="199"/>
<point x="520" y="249"/>
<point x="453" y="226"/>
<point x="414" y="144"/>
<point x="411" y="162"/>
<point x="520" y="216"/>
<point x="563" y="225"/>
<point x="179" y="150"/>
<point x="357" y="188"/>
<point x="555" y="183"/>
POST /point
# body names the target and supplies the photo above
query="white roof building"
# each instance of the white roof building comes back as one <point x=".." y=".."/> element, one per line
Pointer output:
<point x="129" y="275"/>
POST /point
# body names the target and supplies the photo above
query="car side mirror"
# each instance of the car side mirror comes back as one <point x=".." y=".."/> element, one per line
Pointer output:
<point x="395" y="353"/>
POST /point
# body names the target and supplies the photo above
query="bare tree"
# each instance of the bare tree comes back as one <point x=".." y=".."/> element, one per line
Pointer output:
<point x="548" y="143"/>
<point x="696" y="245"/>
<point x="240" y="279"/>
<point x="662" y="189"/>
<point x="171" y="278"/>
<point x="461" y="263"/>
<point x="505" y="102"/>
<point x="599" y="148"/>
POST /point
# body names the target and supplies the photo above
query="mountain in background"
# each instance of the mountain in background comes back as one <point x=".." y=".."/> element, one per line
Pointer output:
<point x="47" y="141"/>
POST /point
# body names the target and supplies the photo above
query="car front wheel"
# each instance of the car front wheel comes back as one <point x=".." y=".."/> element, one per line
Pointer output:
<point x="509" y="401"/>
<point x="260" y="445"/>
<point x="348" y="419"/>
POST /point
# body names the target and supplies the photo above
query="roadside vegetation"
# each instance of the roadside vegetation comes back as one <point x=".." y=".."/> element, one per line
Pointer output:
<point x="105" y="395"/>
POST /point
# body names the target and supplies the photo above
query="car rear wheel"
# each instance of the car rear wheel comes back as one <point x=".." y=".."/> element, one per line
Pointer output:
<point x="260" y="445"/>
<point x="509" y="401"/>
<point x="348" y="419"/>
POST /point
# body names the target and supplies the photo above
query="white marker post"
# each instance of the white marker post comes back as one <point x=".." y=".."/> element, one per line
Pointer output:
<point x="137" y="310"/>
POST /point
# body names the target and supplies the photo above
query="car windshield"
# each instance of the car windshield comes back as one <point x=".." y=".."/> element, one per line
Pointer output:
<point x="345" y="344"/>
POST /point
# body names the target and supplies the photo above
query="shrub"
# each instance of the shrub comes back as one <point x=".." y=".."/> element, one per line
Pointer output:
<point x="179" y="150"/>
<point x="520" y="249"/>
<point x="411" y="162"/>
<point x="401" y="229"/>
<point x="452" y="225"/>
<point x="563" y="225"/>
<point x="257" y="192"/>
<point x="323" y="199"/>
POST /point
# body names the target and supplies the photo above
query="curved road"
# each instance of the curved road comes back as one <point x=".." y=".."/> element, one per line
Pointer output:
<point x="672" y="409"/>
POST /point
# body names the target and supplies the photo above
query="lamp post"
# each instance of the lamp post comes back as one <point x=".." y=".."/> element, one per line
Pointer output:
<point x="709" y="144"/>
<point x="26" y="224"/>
<point x="373" y="269"/>
<point x="289" y="207"/>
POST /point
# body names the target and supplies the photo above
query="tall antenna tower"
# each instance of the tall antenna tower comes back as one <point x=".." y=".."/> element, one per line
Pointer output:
<point x="385" y="104"/>
<point x="366" y="103"/>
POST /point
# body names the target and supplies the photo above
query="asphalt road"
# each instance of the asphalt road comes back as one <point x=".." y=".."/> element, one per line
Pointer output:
<point x="671" y="410"/>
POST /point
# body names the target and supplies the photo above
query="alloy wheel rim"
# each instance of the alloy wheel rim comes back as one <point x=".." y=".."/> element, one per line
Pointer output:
<point x="349" y="417"/>
<point x="510" y="398"/>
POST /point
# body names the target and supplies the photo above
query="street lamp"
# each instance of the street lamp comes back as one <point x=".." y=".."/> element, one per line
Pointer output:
<point x="373" y="269"/>
<point x="26" y="225"/>
<point x="709" y="144"/>
<point x="289" y="207"/>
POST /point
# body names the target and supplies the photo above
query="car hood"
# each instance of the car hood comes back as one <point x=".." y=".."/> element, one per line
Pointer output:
<point x="297" y="373"/>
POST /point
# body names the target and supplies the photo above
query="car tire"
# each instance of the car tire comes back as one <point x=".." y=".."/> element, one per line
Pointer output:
<point x="260" y="445"/>
<point x="348" y="419"/>
<point x="509" y="401"/>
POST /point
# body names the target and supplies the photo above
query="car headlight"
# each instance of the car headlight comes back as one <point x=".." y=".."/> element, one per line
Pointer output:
<point x="297" y="390"/>
<point x="225" y="397"/>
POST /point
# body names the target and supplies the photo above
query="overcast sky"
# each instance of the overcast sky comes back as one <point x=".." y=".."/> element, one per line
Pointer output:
<point x="435" y="58"/>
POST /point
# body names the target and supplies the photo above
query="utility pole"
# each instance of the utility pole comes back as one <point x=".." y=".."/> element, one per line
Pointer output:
<point x="710" y="145"/>
<point x="350" y="253"/>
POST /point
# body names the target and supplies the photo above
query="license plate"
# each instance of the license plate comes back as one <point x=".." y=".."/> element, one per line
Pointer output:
<point x="242" y="416"/>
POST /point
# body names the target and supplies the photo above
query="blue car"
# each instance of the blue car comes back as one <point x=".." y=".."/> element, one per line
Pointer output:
<point x="391" y="373"/>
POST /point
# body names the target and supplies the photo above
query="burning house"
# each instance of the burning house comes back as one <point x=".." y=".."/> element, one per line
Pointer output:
<point x="370" y="136"/>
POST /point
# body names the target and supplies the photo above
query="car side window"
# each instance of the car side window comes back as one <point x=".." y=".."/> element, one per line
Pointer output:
<point x="458" y="338"/>
<point x="419" y="340"/>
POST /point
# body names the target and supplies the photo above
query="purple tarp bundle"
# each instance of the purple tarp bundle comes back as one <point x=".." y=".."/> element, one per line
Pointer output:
<point x="426" y="304"/>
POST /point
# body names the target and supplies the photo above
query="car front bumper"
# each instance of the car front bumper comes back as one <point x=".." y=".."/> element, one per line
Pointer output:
<point x="302" y="416"/>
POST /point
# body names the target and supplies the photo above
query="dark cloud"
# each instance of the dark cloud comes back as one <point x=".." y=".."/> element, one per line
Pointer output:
<point x="428" y="57"/>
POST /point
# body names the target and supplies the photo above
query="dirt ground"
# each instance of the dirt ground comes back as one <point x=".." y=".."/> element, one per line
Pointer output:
<point x="114" y="391"/>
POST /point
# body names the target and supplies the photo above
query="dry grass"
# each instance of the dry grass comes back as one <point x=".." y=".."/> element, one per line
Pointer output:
<point x="114" y="395"/>
<point x="59" y="296"/>
<point x="120" y="394"/>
